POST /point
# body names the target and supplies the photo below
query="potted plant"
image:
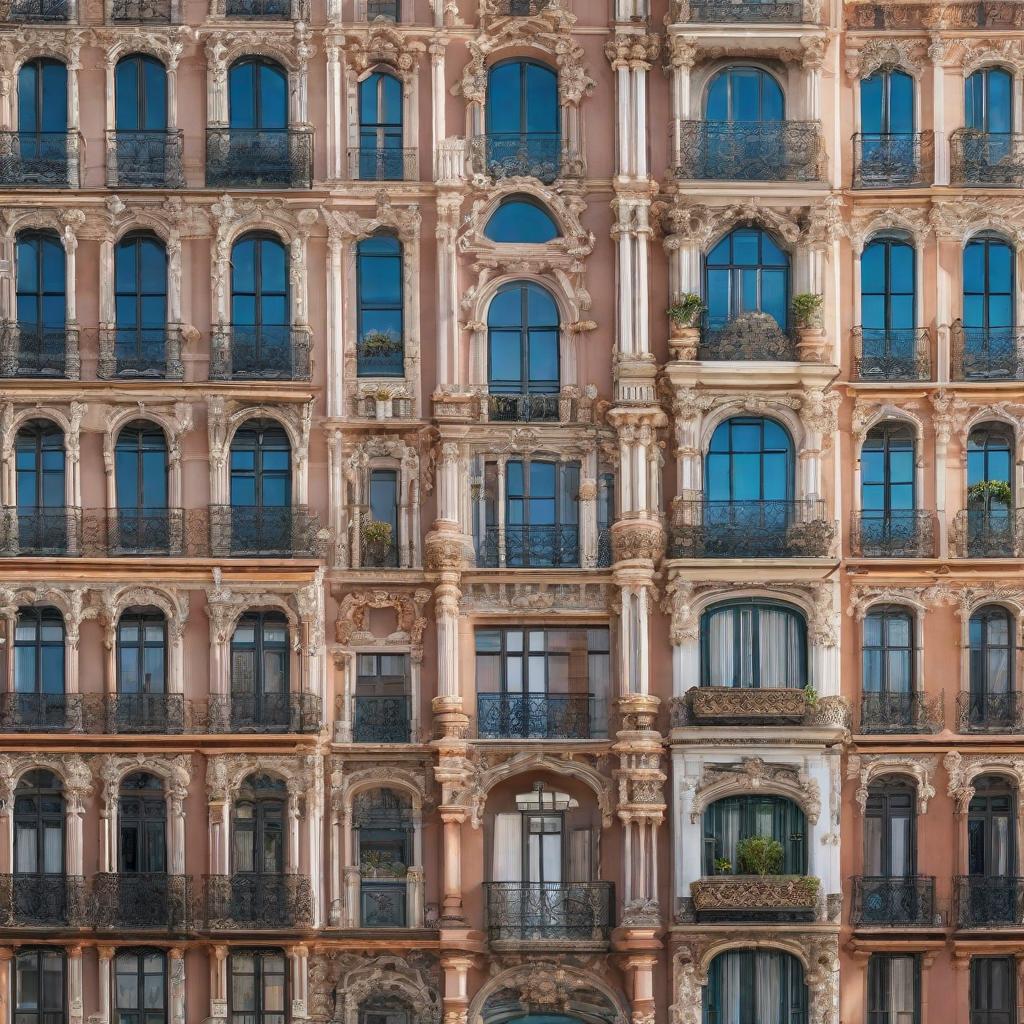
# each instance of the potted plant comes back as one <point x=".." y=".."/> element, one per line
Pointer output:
<point x="986" y="491"/>
<point x="378" y="345"/>
<point x="376" y="542"/>
<point x="684" y="315"/>
<point x="759" y="855"/>
<point x="806" y="308"/>
<point x="378" y="864"/>
<point x="723" y="866"/>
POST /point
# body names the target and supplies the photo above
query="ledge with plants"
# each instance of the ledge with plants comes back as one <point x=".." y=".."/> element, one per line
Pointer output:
<point x="684" y="318"/>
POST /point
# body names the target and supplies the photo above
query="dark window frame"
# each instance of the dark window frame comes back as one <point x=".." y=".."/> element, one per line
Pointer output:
<point x="150" y="819"/>
<point x="141" y="1013"/>
<point x="30" y="787"/>
<point x="40" y="615"/>
<point x="886" y="613"/>
<point x="879" y="983"/>
<point x="38" y="1014"/>
<point x="259" y="1015"/>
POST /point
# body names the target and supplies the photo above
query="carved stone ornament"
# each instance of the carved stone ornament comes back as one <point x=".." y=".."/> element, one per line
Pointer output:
<point x="865" y="224"/>
<point x="746" y="893"/>
<point x="633" y="51"/>
<point x="404" y="221"/>
<point x="225" y="773"/>
<point x="638" y="539"/>
<point x="536" y="597"/>
<point x="1008" y="53"/>
<point x="961" y="771"/>
<point x="20" y="42"/>
<point x="753" y="774"/>
<point x="167" y="44"/>
<point x="862" y="598"/>
<point x="865" y="768"/>
<point x="867" y="414"/>
<point x="694" y="224"/>
<point x="71" y="769"/>
<point x="339" y="983"/>
<point x="384" y="44"/>
<point x="174" y="769"/>
<point x="959" y="218"/>
<point x="351" y="628"/>
<point x="885" y="52"/>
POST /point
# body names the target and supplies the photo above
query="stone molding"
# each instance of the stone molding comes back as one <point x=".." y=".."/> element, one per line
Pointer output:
<point x="350" y="627"/>
<point x="753" y="774"/>
<point x="865" y="768"/>
<point x="962" y="770"/>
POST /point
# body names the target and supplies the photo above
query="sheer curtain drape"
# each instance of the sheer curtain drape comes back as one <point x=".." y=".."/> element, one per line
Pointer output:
<point x="754" y="646"/>
<point x="507" y="864"/>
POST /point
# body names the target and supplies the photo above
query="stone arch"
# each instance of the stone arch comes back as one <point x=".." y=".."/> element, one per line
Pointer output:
<point x="754" y="775"/>
<point x="867" y="768"/>
<point x="889" y="414"/>
<point x="71" y="769"/>
<point x="778" y="410"/>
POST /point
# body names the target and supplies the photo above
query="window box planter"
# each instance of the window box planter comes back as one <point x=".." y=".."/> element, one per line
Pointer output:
<point x="737" y="705"/>
<point x="739" y="896"/>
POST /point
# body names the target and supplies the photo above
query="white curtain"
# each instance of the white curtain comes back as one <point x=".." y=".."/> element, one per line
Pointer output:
<point x="721" y="671"/>
<point x="768" y="968"/>
<point x="732" y="989"/>
<point x="780" y="648"/>
<point x="579" y="855"/>
<point x="507" y="860"/>
<point x="901" y="990"/>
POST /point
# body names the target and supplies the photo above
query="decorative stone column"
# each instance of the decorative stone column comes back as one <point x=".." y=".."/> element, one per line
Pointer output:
<point x="218" y="960"/>
<point x="176" y="984"/>
<point x="104" y="956"/>
<point x="6" y="956"/>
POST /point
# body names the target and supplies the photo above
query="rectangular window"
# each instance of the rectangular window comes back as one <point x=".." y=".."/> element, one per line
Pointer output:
<point x="382" y="706"/>
<point x="993" y="990"/>
<point x="894" y="989"/>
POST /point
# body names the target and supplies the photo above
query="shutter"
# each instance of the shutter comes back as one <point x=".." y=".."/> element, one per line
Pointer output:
<point x="507" y="856"/>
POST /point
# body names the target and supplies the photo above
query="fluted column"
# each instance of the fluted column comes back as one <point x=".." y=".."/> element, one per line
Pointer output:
<point x="104" y="956"/>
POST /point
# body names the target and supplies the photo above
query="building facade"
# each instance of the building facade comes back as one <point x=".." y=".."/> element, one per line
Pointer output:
<point x="508" y="512"/>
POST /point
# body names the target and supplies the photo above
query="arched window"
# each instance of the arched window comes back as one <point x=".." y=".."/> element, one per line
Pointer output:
<point x="39" y="666"/>
<point x="258" y="826"/>
<point x="381" y="145"/>
<point x="988" y="346"/>
<point x="889" y="523"/>
<point x="888" y="310"/>
<point x="141" y="655"/>
<point x="729" y="821"/>
<point x="140" y="985"/>
<point x="383" y="822"/>
<point x="523" y="120"/>
<point x="887" y="153"/>
<point x="384" y="1009"/>
<point x="257" y="95"/>
<point x="983" y="150"/>
<point x="753" y="645"/>
<point x="988" y="101"/>
<point x="750" y="459"/>
<point x="259" y="987"/>
<point x="992" y="841"/>
<point x="890" y="839"/>
<point x="523" y="353"/>
<point x="257" y="149"/>
<point x="746" y="290"/>
<point x="39" y="462"/>
<point x="43" y="122"/>
<point x="142" y="143"/>
<point x="41" y="302"/>
<point x="260" y="308"/>
<point x="40" y="986"/>
<point x="141" y="476"/>
<point x="261" y="486"/>
<point x="39" y="824"/>
<point x="888" y="698"/>
<point x="744" y="94"/>
<point x="140" y="306"/>
<point x="760" y="985"/>
<point x="520" y="219"/>
<point x="142" y="825"/>
<point x="991" y="700"/>
<point x="260" y="673"/>
<point x="380" y="350"/>
<point x="990" y="519"/>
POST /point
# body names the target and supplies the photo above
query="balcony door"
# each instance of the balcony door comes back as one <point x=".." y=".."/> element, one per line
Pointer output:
<point x="744" y="111"/>
<point x="40" y="895"/>
<point x="260" y="308"/>
<point x="140" y="97"/>
<point x="991" y="699"/>
<point x="383" y="823"/>
<point x="260" y="673"/>
<point x="728" y="822"/>
<point x="142" y="672"/>
<point x="141" y="478"/>
<point x="381" y="542"/>
<point x="142" y="826"/>
<point x="380" y="348"/>
<point x="888" y="310"/>
<point x="381" y="145"/>
<point x="888" y="670"/>
<point x="888" y="487"/>
<point x="43" y="120"/>
<point x="39" y="662"/>
<point x="382" y="712"/>
<point x="989" y="340"/>
<point x="40" y="985"/>
<point x="40" y="486"/>
<point x="140" y="986"/>
<point x="887" y="128"/>
<point x="993" y="990"/>
<point x="894" y="989"/>
<point x="259" y="987"/>
<point x="991" y="887"/>
<point x="889" y="894"/>
<point x="261" y="488"/>
<point x="753" y="645"/>
<point x="763" y="986"/>
<point x="258" y="120"/>
<point x="140" y="306"/>
<point x="988" y="116"/>
<point x="41" y="302"/>
<point x="523" y="120"/>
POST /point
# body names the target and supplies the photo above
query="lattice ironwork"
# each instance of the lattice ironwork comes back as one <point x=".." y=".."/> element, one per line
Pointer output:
<point x="882" y="902"/>
<point x="522" y="408"/>
<point x="160" y="714"/>
<point x="570" y="910"/>
<point x="148" y="901"/>
<point x="267" y="10"/>
<point x="266" y="712"/>
<point x="43" y="901"/>
<point x="542" y="155"/>
<point x="739" y="12"/>
<point x="38" y="159"/>
<point x="901" y="713"/>
<point x="242" y="531"/>
<point x="604" y="547"/>
<point x="752" y="336"/>
<point x="892" y="354"/>
<point x="986" y="158"/>
<point x="989" y="901"/>
<point x="382" y="903"/>
<point x="755" y="898"/>
<point x="381" y="163"/>
<point x="530" y="547"/>
<point x="141" y="11"/>
<point x="986" y="712"/>
<point x="751" y="151"/>
<point x="131" y="352"/>
<point x="42" y="712"/>
<point x="893" y="160"/>
<point x="243" y="902"/>
<point x="31" y="532"/>
<point x="987" y="353"/>
<point x="523" y="716"/>
<point x="259" y="158"/>
<point x="35" y="10"/>
<point x="27" y="350"/>
<point x="244" y="352"/>
<point x="899" y="533"/>
<point x="989" y="532"/>
<point x="751" y="529"/>
<point x="382" y="720"/>
<point x="145" y="159"/>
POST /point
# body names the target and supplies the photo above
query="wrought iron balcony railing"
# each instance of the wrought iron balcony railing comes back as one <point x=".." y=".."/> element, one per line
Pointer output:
<point x="265" y="713"/>
<point x="382" y="720"/>
<point x="522" y="408"/>
<point x="989" y="901"/>
<point x="750" y="151"/>
<point x="377" y="551"/>
<point x="542" y="155"/>
<point x="243" y="902"/>
<point x="891" y="354"/>
<point x="381" y="163"/>
<point x="901" y="713"/>
<point x="529" y="547"/>
<point x="751" y="336"/>
<point x="28" y="350"/>
<point x="144" y="902"/>
<point x="987" y="353"/>
<point x="751" y="529"/>
<point x="38" y="159"/>
<point x="130" y="352"/>
<point x="979" y="711"/>
<point x="989" y="532"/>
<point x="890" y="160"/>
<point x="524" y="911"/>
<point x="380" y="354"/>
<point x="382" y="902"/>
<point x="899" y="533"/>
<point x="251" y="531"/>
<point x="31" y="532"/>
<point x="144" y="159"/>
<point x="267" y="10"/>
<point x="146" y="12"/>
<point x="739" y="12"/>
<point x="986" y="158"/>
<point x="17" y="11"/>
<point x="43" y="901"/>
<point x="604" y="547"/>
<point x="259" y="158"/>
<point x="42" y="712"/>
<point x="519" y="8"/>
<point x="145" y="531"/>
<point x="386" y="9"/>
<point x="161" y="714"/>
<point x="531" y="716"/>
<point x="264" y="352"/>
<point x="883" y="902"/>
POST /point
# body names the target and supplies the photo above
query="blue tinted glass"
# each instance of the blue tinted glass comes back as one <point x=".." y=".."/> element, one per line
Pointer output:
<point x="540" y="307"/>
<point x="999" y="102"/>
<point x="518" y="220"/>
<point x="505" y="356"/>
<point x="901" y="102"/>
<point x="243" y="265"/>
<point x="241" y="96"/>
<point x="505" y="309"/>
<point x="541" y="100"/>
<point x="1000" y="267"/>
<point x="901" y="268"/>
<point x="504" y="100"/>
<point x="744" y="94"/>
<point x="273" y="265"/>
<point x="273" y="97"/>
<point x="156" y="95"/>
<point x="391" y="101"/>
<point x="522" y="97"/>
<point x="871" y="93"/>
<point x="43" y="96"/>
<point x="872" y="267"/>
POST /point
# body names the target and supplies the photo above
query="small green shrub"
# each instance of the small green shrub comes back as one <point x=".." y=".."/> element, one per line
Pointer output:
<point x="807" y="309"/>
<point x="997" y="490"/>
<point x="685" y="310"/>
<point x="759" y="855"/>
<point x="376" y="532"/>
<point x="723" y="866"/>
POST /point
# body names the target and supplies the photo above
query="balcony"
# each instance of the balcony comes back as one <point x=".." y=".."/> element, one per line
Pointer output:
<point x="141" y="12"/>
<point x="900" y="160"/>
<point x="523" y="408"/>
<point x="43" y="901"/>
<point x="750" y="529"/>
<point x="902" y="533"/>
<point x="380" y="354"/>
<point x="983" y="712"/>
<point x="146" y="902"/>
<point x="529" y="547"/>
<point x="160" y="714"/>
<point x="528" y="716"/>
<point x="518" y="8"/>
<point x="750" y="337"/>
<point x="538" y="912"/>
<point x="268" y="352"/>
<point x="267" y="10"/>
<point x="891" y="355"/>
<point x="381" y="163"/>
<point x="750" y="151"/>
<point x="755" y="898"/>
<point x="737" y="705"/>
<point x="41" y="712"/>
<point x="257" y="902"/>
<point x="738" y="12"/>
<point x="989" y="532"/>
<point x="265" y="713"/>
<point x="129" y="353"/>
<point x="542" y="155"/>
<point x="28" y="350"/>
<point x="883" y="902"/>
<point x="383" y="897"/>
<point x="141" y="159"/>
<point x="986" y="158"/>
<point x="984" y="901"/>
<point x="32" y="532"/>
<point x="34" y="11"/>
<point x="39" y="159"/>
<point x="930" y="15"/>
<point x="374" y="9"/>
<point x="901" y="713"/>
<point x="987" y="353"/>
<point x="259" y="158"/>
<point x="382" y="720"/>
<point x="145" y="531"/>
<point x="253" y="531"/>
